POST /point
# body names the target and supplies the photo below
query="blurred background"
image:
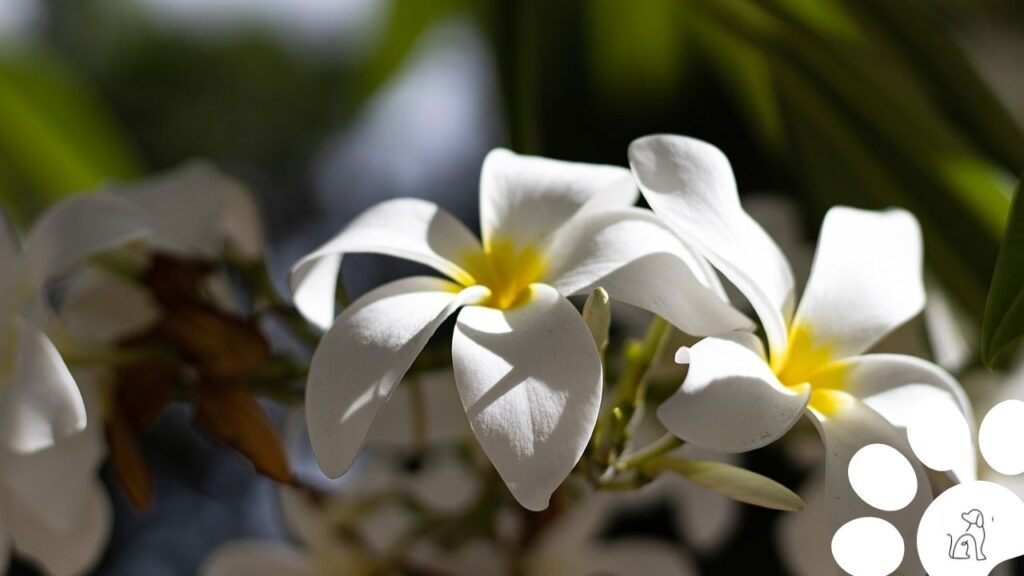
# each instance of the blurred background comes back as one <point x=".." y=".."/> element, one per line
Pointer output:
<point x="324" y="107"/>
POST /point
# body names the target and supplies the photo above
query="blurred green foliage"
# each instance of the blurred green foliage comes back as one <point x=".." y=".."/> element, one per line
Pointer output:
<point x="1004" y="314"/>
<point x="870" y="103"/>
<point x="55" y="139"/>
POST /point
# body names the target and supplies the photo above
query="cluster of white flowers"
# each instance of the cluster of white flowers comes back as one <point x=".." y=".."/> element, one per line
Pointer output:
<point x="528" y="367"/>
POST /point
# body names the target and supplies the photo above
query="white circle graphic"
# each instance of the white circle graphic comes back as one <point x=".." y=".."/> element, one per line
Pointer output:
<point x="868" y="547"/>
<point x="1000" y="437"/>
<point x="883" y="477"/>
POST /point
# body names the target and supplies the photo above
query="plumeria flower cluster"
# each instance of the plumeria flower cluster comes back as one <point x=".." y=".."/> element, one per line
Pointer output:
<point x="157" y="292"/>
<point x="529" y="375"/>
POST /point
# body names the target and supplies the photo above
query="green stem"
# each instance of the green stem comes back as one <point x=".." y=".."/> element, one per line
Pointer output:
<point x="261" y="286"/>
<point x="279" y="380"/>
<point x="663" y="445"/>
<point x="613" y="428"/>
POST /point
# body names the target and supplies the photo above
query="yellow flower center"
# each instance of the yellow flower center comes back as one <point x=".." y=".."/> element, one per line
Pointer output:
<point x="808" y="362"/>
<point x="506" y="270"/>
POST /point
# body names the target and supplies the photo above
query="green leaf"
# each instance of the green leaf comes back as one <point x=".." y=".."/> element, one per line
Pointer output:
<point x="736" y="483"/>
<point x="862" y="130"/>
<point x="55" y="138"/>
<point x="1004" y="310"/>
<point x="929" y="51"/>
<point x="634" y="53"/>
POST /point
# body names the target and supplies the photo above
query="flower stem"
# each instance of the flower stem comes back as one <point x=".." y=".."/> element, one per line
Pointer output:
<point x="659" y="447"/>
<point x="612" y="430"/>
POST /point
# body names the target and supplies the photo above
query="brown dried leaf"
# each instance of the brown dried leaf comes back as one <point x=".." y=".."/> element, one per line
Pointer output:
<point x="175" y="281"/>
<point x="223" y="347"/>
<point x="127" y="461"/>
<point x="143" y="391"/>
<point x="227" y="411"/>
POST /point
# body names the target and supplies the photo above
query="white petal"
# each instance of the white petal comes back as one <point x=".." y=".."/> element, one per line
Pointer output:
<point x="80" y="227"/>
<point x="198" y="211"/>
<point x="629" y="556"/>
<point x="362" y="357"/>
<point x="99" y="307"/>
<point x="866" y="279"/>
<point x="849" y="427"/>
<point x="65" y="552"/>
<point x="243" y="225"/>
<point x="730" y="401"/>
<point x="54" y="482"/>
<point x="406" y="228"/>
<point x="524" y="198"/>
<point x="247" y="558"/>
<point x="897" y="386"/>
<point x="637" y="260"/>
<point x="690" y="185"/>
<point x="530" y="381"/>
<point x="41" y="403"/>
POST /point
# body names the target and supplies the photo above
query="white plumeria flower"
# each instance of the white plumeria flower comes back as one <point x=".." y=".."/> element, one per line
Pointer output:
<point x="866" y="280"/>
<point x="51" y="504"/>
<point x="526" y="366"/>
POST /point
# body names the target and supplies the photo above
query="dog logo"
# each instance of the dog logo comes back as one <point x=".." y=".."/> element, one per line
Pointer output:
<point x="871" y="546"/>
<point x="970" y="544"/>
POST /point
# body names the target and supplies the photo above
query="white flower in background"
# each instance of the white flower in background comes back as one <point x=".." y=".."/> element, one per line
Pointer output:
<point x="425" y="410"/>
<point x="865" y="281"/>
<point x="197" y="211"/>
<point x="570" y="545"/>
<point x="350" y="530"/>
<point x="55" y="507"/>
<point x="193" y="212"/>
<point x="573" y="545"/>
<point x="526" y="367"/>
<point x="51" y="504"/>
